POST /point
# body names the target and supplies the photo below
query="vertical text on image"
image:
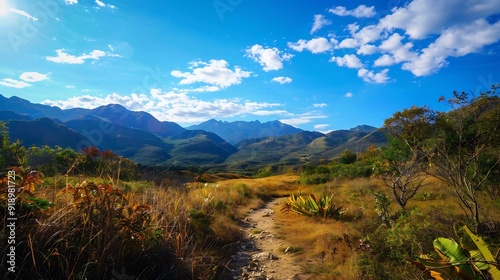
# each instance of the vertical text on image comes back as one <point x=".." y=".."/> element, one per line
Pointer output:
<point x="11" y="221"/>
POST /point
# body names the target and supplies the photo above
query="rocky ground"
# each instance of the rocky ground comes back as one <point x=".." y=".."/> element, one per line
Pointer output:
<point x="262" y="254"/>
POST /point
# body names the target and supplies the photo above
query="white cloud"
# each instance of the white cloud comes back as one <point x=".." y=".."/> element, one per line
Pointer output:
<point x="63" y="57"/>
<point x="396" y="51"/>
<point x="33" y="77"/>
<point x="348" y="43"/>
<point x="215" y="73"/>
<point x="303" y="118"/>
<point x="421" y="35"/>
<point x="316" y="45"/>
<point x="384" y="60"/>
<point x="71" y="2"/>
<point x="269" y="58"/>
<point x="321" y="127"/>
<point x="348" y="60"/>
<point x="319" y="105"/>
<point x="456" y="41"/>
<point x="348" y="94"/>
<point x="282" y="80"/>
<point x="270" y="112"/>
<point x="359" y="12"/>
<point x="177" y="106"/>
<point x="25" y="79"/>
<point x="367" y="49"/>
<point x="8" y="82"/>
<point x="372" y="77"/>
<point x="353" y="27"/>
<point x="102" y="5"/>
<point x="421" y="18"/>
<point x="319" y="22"/>
<point x="22" y="13"/>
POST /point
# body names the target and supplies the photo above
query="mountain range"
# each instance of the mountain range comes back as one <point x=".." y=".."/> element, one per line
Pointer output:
<point x="148" y="141"/>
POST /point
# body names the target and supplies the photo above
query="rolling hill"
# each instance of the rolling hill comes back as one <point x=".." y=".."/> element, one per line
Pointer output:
<point x="44" y="131"/>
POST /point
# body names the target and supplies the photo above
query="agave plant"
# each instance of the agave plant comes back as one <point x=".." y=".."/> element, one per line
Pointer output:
<point x="310" y="206"/>
<point x="468" y="259"/>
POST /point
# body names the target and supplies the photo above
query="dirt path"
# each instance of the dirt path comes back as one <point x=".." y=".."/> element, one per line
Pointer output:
<point x="262" y="253"/>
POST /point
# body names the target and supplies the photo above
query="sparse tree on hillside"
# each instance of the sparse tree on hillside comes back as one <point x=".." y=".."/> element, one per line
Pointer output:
<point x="467" y="150"/>
<point x="402" y="170"/>
<point x="462" y="146"/>
<point x="347" y="157"/>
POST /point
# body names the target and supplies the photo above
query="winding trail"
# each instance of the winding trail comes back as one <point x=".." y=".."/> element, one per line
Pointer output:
<point x="261" y="255"/>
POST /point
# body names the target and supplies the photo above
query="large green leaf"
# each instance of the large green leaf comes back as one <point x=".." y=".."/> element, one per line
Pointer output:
<point x="456" y="255"/>
<point x="439" y="269"/>
<point x="483" y="248"/>
<point x="468" y="244"/>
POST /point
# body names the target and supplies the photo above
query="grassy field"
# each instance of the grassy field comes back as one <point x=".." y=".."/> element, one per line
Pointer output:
<point x="99" y="229"/>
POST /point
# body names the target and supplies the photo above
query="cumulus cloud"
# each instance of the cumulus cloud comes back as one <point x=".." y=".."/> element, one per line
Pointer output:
<point x="395" y="51"/>
<point x="269" y="58"/>
<point x="316" y="45"/>
<point x="456" y="41"/>
<point x="360" y="12"/>
<point x="319" y="22"/>
<point x="71" y="2"/>
<point x="8" y="82"/>
<point x="367" y="49"/>
<point x="175" y="105"/>
<point x="421" y="35"/>
<point x="25" y="79"/>
<point x="214" y="72"/>
<point x="348" y="60"/>
<point x="63" y="57"/>
<point x="282" y="80"/>
<point x="421" y="18"/>
<point x="348" y="94"/>
<point x="372" y="77"/>
<point x="33" y="77"/>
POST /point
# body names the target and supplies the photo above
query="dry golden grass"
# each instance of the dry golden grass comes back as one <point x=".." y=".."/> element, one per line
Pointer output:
<point x="273" y="186"/>
<point x="327" y="248"/>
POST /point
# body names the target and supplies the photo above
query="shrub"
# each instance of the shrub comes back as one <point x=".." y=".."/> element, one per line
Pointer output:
<point x="310" y="206"/>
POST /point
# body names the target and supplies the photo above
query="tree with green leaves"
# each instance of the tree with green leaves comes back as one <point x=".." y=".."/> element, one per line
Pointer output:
<point x="402" y="170"/>
<point x="467" y="147"/>
<point x="462" y="146"/>
<point x="11" y="153"/>
<point x="347" y="157"/>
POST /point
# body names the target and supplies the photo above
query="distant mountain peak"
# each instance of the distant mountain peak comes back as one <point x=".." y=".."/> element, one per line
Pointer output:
<point x="237" y="131"/>
<point x="364" y="128"/>
<point x="115" y="108"/>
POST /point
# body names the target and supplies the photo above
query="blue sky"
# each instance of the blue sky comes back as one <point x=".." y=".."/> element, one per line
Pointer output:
<point x="317" y="65"/>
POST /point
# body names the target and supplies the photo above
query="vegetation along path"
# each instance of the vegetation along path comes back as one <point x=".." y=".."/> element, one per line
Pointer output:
<point x="262" y="254"/>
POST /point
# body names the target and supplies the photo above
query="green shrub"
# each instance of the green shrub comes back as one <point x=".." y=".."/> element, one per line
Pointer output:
<point x="310" y="206"/>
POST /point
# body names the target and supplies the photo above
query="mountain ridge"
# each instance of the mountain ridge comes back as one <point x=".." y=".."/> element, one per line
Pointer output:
<point x="146" y="140"/>
<point x="237" y="131"/>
